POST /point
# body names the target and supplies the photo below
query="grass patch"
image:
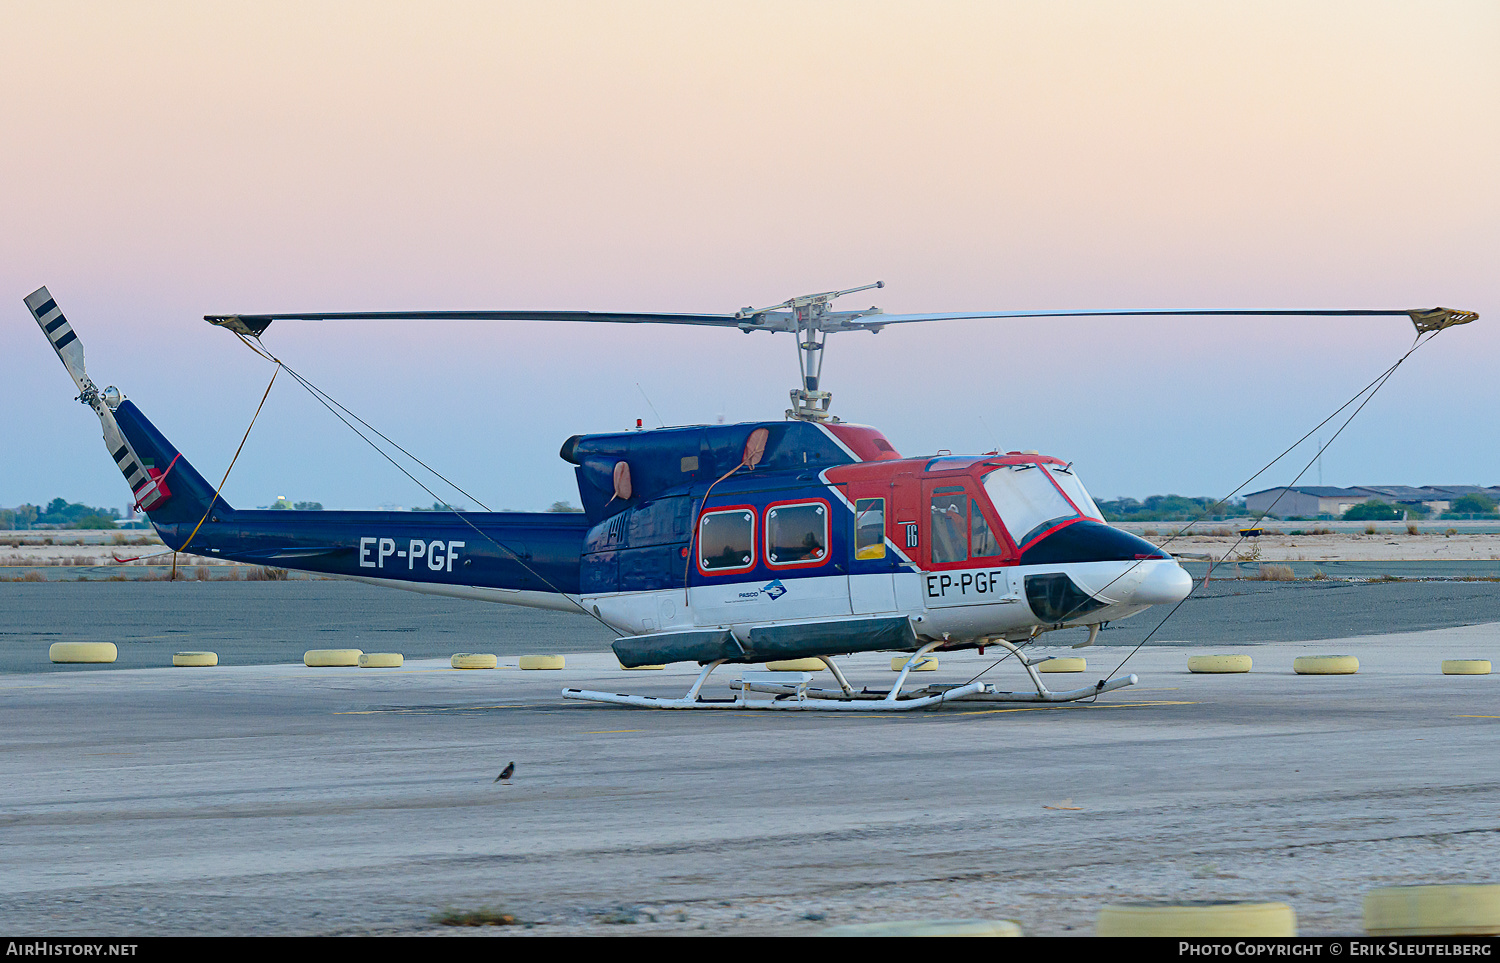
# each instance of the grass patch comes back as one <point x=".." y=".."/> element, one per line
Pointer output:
<point x="1274" y="573"/>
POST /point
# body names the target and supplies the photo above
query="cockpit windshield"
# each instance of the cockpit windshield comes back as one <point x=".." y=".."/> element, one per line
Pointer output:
<point x="1032" y="498"/>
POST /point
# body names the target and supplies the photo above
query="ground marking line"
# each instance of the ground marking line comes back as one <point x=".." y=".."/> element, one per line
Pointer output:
<point x="1062" y="705"/>
<point x="373" y="712"/>
<point x="1479" y="717"/>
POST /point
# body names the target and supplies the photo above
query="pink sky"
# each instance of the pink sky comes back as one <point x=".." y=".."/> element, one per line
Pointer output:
<point x="164" y="161"/>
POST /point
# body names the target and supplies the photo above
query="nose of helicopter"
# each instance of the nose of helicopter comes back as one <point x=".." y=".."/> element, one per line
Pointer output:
<point x="1166" y="584"/>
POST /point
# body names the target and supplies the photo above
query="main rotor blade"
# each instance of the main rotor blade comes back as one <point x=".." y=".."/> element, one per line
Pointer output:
<point x="1425" y="319"/>
<point x="254" y="324"/>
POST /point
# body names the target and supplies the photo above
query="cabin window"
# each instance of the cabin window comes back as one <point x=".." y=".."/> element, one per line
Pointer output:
<point x="950" y="525"/>
<point x="869" y="528"/>
<point x="726" y="540"/>
<point x="797" y="534"/>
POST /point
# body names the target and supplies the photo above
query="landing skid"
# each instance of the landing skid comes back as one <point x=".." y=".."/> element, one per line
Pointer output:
<point x="790" y="691"/>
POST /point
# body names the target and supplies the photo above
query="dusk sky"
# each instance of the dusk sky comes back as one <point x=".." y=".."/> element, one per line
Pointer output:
<point x="163" y="161"/>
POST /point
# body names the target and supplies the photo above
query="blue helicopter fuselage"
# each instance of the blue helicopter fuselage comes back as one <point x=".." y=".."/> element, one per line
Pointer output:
<point x="683" y="531"/>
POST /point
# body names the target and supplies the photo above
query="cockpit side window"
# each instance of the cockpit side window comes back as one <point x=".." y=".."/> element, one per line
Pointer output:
<point x="869" y="529"/>
<point x="982" y="542"/>
<point x="950" y="524"/>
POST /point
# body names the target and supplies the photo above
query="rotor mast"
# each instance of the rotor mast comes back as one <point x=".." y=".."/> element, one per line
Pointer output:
<point x="810" y="320"/>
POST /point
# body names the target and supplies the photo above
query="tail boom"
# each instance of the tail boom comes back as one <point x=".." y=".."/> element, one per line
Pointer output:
<point x="517" y="557"/>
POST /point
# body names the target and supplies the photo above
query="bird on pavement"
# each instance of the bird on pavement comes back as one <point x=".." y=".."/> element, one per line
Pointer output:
<point x="505" y="773"/>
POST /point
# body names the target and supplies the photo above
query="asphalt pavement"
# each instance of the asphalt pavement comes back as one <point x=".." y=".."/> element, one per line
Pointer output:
<point x="284" y="799"/>
<point x="259" y="623"/>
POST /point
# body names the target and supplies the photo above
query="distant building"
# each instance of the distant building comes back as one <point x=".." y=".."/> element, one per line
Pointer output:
<point x="1305" y="500"/>
<point x="1312" y="500"/>
<point x="1452" y="493"/>
<point x="1428" y="498"/>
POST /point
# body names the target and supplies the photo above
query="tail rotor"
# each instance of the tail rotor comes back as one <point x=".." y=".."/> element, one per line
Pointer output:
<point x="146" y="484"/>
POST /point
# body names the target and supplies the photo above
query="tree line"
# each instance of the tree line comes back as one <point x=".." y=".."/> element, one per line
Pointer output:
<point x="1473" y="505"/>
<point x="58" y="513"/>
<point x="1162" y="508"/>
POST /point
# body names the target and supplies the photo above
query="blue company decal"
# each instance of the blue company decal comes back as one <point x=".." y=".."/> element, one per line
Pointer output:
<point x="775" y="590"/>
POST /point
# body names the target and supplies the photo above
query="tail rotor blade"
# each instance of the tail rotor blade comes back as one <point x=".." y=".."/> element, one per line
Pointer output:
<point x="60" y="333"/>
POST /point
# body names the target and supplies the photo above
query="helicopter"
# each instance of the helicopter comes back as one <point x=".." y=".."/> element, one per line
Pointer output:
<point x="732" y="544"/>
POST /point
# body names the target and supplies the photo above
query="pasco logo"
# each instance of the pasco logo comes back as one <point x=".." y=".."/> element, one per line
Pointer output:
<point x="774" y="591"/>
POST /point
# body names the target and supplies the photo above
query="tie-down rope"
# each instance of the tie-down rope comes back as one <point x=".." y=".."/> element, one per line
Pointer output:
<point x="339" y="411"/>
<point x="1368" y="392"/>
